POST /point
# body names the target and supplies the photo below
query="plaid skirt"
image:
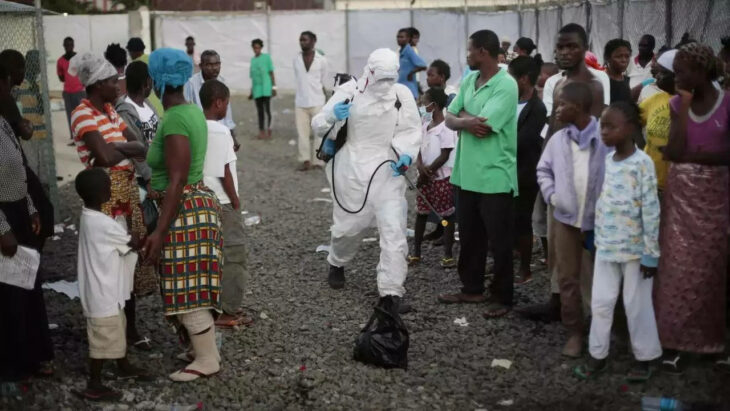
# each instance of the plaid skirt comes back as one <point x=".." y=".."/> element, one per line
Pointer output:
<point x="440" y="193"/>
<point x="125" y="201"/>
<point x="190" y="269"/>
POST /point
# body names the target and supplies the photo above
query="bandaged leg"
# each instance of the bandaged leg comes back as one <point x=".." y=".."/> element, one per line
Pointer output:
<point x="201" y="330"/>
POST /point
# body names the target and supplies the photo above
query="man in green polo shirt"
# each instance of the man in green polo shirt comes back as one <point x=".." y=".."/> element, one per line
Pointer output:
<point x="485" y="174"/>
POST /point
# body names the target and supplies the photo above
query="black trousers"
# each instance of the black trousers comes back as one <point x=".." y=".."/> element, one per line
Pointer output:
<point x="485" y="223"/>
<point x="263" y="104"/>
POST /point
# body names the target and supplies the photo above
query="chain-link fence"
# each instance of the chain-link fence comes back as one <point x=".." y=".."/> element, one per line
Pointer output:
<point x="21" y="29"/>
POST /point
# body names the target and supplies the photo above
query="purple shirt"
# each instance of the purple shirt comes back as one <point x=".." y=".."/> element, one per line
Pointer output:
<point x="708" y="133"/>
<point x="555" y="172"/>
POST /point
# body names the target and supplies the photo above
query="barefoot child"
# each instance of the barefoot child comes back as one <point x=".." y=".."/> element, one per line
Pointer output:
<point x="434" y="165"/>
<point x="627" y="246"/>
<point x="219" y="174"/>
<point x="106" y="262"/>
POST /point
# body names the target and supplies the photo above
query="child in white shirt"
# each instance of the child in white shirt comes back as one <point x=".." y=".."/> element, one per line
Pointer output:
<point x="435" y="162"/>
<point x="106" y="261"/>
<point x="219" y="174"/>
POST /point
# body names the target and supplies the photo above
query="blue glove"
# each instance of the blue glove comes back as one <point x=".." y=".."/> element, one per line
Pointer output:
<point x="650" y="80"/>
<point x="329" y="147"/>
<point x="401" y="166"/>
<point x="342" y="110"/>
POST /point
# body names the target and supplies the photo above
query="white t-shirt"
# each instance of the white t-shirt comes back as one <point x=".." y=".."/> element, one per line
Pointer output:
<point x="552" y="81"/>
<point x="636" y="73"/>
<point x="219" y="154"/>
<point x="433" y="141"/>
<point x="147" y="118"/>
<point x="581" y="160"/>
<point x="520" y="107"/>
<point x="105" y="264"/>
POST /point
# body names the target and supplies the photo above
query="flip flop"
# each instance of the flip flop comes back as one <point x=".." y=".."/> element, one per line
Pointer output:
<point x="522" y="280"/>
<point x="198" y="374"/>
<point x="413" y="260"/>
<point x="245" y="320"/>
<point x="495" y="310"/>
<point x="586" y="372"/>
<point x="448" y="262"/>
<point x="186" y="356"/>
<point x="229" y="324"/>
<point x="103" y="394"/>
<point x="637" y="374"/>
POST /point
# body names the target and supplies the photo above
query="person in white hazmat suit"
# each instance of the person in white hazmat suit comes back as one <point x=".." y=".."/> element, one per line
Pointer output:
<point x="382" y="120"/>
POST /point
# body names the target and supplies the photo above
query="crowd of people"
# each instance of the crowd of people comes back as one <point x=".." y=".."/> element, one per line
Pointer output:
<point x="620" y="170"/>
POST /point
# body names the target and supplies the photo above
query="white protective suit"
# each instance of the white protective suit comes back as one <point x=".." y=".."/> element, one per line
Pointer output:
<point x="375" y="127"/>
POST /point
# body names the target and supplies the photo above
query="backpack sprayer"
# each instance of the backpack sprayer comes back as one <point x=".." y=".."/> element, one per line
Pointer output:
<point x="340" y="140"/>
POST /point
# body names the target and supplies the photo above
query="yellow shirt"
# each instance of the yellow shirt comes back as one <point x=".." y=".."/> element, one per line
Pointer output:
<point x="655" y="117"/>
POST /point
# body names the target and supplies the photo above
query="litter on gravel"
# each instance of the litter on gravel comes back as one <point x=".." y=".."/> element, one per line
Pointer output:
<point x="461" y="322"/>
<point x="506" y="403"/>
<point x="69" y="288"/>
<point x="320" y="200"/>
<point x="506" y="364"/>
<point x="369" y="240"/>
<point x="325" y="190"/>
<point x="251" y="221"/>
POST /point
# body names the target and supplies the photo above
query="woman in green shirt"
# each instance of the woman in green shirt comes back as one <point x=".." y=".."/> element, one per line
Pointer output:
<point x="263" y="86"/>
<point x="186" y="245"/>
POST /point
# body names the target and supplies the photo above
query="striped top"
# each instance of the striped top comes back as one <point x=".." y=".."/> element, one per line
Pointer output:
<point x="85" y="119"/>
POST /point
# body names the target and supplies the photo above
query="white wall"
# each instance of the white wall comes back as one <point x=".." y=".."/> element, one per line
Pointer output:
<point x="90" y="33"/>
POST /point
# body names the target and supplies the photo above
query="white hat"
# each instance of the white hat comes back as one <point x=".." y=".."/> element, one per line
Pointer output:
<point x="383" y="64"/>
<point x="666" y="60"/>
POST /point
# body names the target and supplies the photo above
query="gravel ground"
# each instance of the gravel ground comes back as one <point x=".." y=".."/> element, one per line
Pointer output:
<point x="298" y="354"/>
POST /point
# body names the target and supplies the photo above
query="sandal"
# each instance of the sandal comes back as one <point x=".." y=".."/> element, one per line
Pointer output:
<point x="196" y="373"/>
<point x="99" y="394"/>
<point x="187" y="356"/>
<point x="244" y="320"/>
<point x="520" y="280"/>
<point x="640" y="372"/>
<point x="448" y="262"/>
<point x="673" y="364"/>
<point x="143" y="344"/>
<point x="413" y="260"/>
<point x="591" y="368"/>
<point x="495" y="310"/>
<point x="227" y="325"/>
<point x="45" y="369"/>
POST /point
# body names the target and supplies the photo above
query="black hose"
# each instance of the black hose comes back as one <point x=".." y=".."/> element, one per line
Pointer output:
<point x="367" y="192"/>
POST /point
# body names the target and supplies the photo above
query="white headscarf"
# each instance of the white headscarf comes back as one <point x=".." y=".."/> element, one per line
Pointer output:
<point x="90" y="68"/>
<point x="666" y="60"/>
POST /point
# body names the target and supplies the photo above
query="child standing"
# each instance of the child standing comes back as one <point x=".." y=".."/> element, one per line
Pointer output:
<point x="627" y="245"/>
<point x="434" y="164"/>
<point x="219" y="174"/>
<point x="570" y="174"/>
<point x="106" y="264"/>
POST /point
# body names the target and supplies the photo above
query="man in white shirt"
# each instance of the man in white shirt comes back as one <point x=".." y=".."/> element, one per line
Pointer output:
<point x="640" y="66"/>
<point x="310" y="70"/>
<point x="210" y="69"/>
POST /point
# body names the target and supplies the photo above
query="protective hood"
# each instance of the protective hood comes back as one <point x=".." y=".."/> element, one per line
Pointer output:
<point x="380" y="74"/>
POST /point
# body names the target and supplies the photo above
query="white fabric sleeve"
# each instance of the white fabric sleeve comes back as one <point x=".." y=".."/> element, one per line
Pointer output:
<point x="408" y="133"/>
<point x="325" y="119"/>
<point x="447" y="138"/>
<point x="117" y="236"/>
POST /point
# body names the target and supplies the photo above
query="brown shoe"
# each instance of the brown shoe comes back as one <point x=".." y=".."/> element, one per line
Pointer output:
<point x="574" y="346"/>
<point x="461" y="298"/>
<point x="306" y="166"/>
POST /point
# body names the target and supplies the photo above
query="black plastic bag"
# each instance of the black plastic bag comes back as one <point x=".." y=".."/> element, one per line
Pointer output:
<point x="384" y="339"/>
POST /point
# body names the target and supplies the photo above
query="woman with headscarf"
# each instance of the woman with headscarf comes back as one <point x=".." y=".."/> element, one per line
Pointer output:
<point x="187" y="241"/>
<point x="25" y="344"/>
<point x="103" y="140"/>
<point x="690" y="286"/>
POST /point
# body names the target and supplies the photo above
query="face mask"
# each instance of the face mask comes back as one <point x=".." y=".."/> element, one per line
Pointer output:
<point x="380" y="88"/>
<point x="425" y="115"/>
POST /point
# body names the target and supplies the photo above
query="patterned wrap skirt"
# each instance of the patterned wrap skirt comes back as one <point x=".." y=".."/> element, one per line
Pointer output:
<point x="689" y="289"/>
<point x="125" y="201"/>
<point x="190" y="265"/>
<point x="440" y="193"/>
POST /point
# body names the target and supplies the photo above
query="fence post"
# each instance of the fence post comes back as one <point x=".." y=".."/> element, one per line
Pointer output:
<point x="668" y="21"/>
<point x="519" y="18"/>
<point x="46" y="145"/>
<point x="347" y="37"/>
<point x="708" y="16"/>
<point x="466" y="19"/>
<point x="589" y="23"/>
<point x="537" y="23"/>
<point x="620" y="19"/>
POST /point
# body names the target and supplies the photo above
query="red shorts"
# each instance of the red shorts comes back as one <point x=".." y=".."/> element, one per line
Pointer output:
<point x="440" y="193"/>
